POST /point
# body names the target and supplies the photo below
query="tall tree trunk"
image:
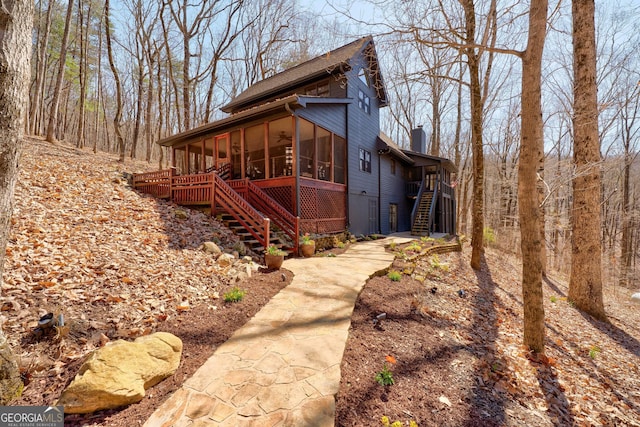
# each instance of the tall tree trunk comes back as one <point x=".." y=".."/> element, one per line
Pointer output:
<point x="98" y="91"/>
<point x="585" y="284"/>
<point x="116" y="77"/>
<point x="531" y="155"/>
<point x="16" y="24"/>
<point x="140" y="91"/>
<point x="473" y="63"/>
<point x="35" y="115"/>
<point x="53" y="114"/>
<point x="82" y="76"/>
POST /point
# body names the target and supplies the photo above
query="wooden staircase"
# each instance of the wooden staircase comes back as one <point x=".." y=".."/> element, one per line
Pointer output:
<point x="421" y="222"/>
<point x="254" y="216"/>
<point x="275" y="236"/>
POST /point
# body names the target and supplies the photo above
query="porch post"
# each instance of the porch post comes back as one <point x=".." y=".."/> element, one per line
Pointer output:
<point x="296" y="165"/>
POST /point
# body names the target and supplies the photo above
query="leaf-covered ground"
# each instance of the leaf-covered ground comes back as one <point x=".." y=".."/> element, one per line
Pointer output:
<point x="459" y="359"/>
<point x="117" y="265"/>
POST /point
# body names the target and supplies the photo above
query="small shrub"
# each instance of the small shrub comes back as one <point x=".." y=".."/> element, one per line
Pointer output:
<point x="414" y="247"/>
<point x="489" y="236"/>
<point x="385" y="377"/>
<point x="437" y="265"/>
<point x="554" y="298"/>
<point x="340" y="245"/>
<point x="594" y="351"/>
<point x="392" y="246"/>
<point x="234" y="295"/>
<point x="395" y="276"/>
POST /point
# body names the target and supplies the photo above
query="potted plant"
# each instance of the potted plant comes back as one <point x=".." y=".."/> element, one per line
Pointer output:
<point x="274" y="257"/>
<point x="307" y="246"/>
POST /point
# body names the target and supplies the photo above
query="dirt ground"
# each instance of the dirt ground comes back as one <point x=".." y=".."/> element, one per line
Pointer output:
<point x="455" y="340"/>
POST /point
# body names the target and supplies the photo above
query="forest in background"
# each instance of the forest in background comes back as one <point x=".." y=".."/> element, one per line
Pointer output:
<point x="117" y="77"/>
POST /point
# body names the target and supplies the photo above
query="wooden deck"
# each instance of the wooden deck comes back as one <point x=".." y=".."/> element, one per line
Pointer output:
<point x="256" y="204"/>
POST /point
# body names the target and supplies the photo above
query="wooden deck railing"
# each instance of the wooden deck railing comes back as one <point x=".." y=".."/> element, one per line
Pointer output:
<point x="205" y="189"/>
<point x="157" y="183"/>
<point x="284" y="219"/>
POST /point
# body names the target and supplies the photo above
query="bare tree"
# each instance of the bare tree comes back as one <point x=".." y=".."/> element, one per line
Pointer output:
<point x="117" y="119"/>
<point x="473" y="64"/>
<point x="36" y="112"/>
<point x="585" y="285"/>
<point x="531" y="157"/>
<point x="53" y="114"/>
<point x="16" y="23"/>
<point x="629" y="114"/>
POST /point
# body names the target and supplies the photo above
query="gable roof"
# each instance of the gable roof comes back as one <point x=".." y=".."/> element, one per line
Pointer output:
<point x="386" y="145"/>
<point x="338" y="59"/>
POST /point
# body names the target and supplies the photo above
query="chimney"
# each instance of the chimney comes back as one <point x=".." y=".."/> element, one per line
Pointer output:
<point x="419" y="140"/>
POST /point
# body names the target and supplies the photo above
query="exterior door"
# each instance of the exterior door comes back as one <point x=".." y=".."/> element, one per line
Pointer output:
<point x="393" y="218"/>
<point x="373" y="216"/>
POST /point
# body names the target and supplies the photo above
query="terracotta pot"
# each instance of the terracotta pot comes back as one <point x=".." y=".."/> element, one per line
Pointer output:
<point x="308" y="249"/>
<point x="273" y="262"/>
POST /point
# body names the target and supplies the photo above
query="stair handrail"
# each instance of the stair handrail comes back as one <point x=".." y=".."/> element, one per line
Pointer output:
<point x="434" y="202"/>
<point x="289" y="223"/>
<point x="414" y="211"/>
<point x="241" y="210"/>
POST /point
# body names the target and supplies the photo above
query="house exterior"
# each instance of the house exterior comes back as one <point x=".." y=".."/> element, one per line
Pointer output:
<point x="308" y="139"/>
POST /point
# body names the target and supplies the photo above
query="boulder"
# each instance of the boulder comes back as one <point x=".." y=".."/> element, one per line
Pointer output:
<point x="10" y="382"/>
<point x="226" y="260"/>
<point x="180" y="214"/>
<point x="211" y="248"/>
<point x="119" y="373"/>
<point x="636" y="297"/>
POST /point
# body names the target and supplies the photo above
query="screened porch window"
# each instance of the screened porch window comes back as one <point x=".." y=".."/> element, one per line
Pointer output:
<point x="307" y="149"/>
<point x="324" y="154"/>
<point x="280" y="147"/>
<point x="254" y="151"/>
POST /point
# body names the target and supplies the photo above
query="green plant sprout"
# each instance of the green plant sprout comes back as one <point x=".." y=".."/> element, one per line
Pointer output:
<point x="274" y="250"/>
<point x="414" y="247"/>
<point x="436" y="264"/>
<point x="385" y="377"/>
<point x="594" y="351"/>
<point x="234" y="295"/>
<point x="554" y="298"/>
<point x="395" y="276"/>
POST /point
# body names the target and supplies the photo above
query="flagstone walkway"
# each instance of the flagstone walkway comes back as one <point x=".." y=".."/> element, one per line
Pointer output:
<point x="282" y="368"/>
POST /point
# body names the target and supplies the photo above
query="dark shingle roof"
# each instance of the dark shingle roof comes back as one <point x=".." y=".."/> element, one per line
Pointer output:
<point x="314" y="68"/>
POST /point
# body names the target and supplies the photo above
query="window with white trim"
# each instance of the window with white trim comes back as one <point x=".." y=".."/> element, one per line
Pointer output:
<point x="365" y="160"/>
<point x="364" y="103"/>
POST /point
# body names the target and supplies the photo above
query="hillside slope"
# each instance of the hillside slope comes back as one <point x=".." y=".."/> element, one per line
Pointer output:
<point x="114" y="263"/>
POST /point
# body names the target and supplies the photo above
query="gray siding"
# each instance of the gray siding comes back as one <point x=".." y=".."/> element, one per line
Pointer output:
<point x="362" y="130"/>
<point x="331" y="117"/>
<point x="392" y="190"/>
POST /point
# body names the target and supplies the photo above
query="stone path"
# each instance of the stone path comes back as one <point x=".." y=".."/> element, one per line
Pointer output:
<point x="282" y="368"/>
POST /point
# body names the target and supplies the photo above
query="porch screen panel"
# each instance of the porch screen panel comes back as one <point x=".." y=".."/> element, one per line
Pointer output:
<point x="339" y="159"/>
<point x="280" y="147"/>
<point x="254" y="152"/>
<point x="180" y="160"/>
<point x="208" y="153"/>
<point x="307" y="149"/>
<point x="236" y="153"/>
<point x="324" y="154"/>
